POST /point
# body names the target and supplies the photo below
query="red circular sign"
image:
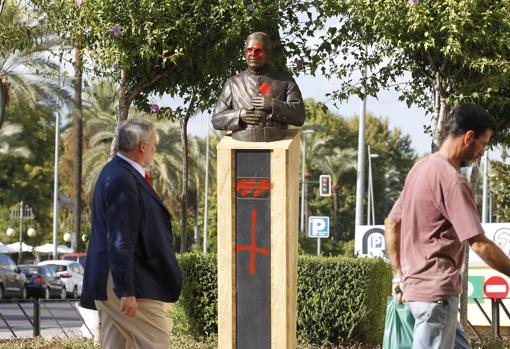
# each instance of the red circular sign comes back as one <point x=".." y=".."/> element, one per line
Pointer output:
<point x="495" y="287"/>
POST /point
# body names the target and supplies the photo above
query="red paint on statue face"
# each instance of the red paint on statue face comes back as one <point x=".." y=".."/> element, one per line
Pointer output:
<point x="256" y="54"/>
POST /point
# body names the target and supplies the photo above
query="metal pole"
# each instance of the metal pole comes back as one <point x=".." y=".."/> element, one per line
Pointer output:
<point x="361" y="164"/>
<point x="206" y="200"/>
<point x="372" y="201"/>
<point x="20" y="231"/>
<point x="495" y="318"/>
<point x="318" y="247"/>
<point x="369" y="192"/>
<point x="302" y="223"/>
<point x="485" y="186"/>
<point x="37" y="318"/>
<point x="55" y="189"/>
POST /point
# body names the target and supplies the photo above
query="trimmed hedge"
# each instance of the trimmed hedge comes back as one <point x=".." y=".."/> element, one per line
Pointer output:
<point x="342" y="299"/>
<point x="339" y="299"/>
<point x="199" y="296"/>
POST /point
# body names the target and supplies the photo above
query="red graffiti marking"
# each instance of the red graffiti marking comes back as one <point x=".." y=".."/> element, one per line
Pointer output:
<point x="264" y="88"/>
<point x="253" y="248"/>
<point x="247" y="186"/>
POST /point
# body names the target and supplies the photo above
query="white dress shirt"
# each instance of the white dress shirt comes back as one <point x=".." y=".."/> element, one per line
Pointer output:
<point x="135" y="165"/>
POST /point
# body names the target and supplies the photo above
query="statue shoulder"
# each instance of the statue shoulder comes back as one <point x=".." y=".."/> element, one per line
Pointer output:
<point x="281" y="76"/>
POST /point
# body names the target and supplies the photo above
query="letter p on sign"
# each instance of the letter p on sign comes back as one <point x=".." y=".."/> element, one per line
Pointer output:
<point x="318" y="227"/>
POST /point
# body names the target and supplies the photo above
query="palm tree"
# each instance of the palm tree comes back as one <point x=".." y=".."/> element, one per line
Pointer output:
<point x="26" y="75"/>
<point x="8" y="136"/>
<point x="336" y="164"/>
<point x="100" y="106"/>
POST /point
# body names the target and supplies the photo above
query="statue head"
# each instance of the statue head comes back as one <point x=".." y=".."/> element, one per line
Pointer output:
<point x="257" y="51"/>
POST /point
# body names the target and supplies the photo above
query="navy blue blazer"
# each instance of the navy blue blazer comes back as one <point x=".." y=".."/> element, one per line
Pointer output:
<point x="131" y="237"/>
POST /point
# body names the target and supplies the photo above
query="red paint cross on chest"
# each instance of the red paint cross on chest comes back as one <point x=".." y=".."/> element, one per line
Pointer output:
<point x="253" y="249"/>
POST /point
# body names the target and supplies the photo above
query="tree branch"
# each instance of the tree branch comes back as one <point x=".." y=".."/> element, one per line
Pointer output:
<point x="134" y="92"/>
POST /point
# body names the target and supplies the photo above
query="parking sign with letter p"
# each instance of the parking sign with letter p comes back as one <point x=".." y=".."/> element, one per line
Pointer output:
<point x="318" y="227"/>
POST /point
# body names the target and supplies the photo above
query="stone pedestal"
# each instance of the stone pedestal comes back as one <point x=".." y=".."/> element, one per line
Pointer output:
<point x="258" y="194"/>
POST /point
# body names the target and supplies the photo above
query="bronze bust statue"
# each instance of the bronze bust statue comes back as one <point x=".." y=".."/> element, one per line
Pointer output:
<point x="258" y="104"/>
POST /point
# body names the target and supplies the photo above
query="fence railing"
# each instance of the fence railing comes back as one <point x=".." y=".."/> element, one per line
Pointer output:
<point x="495" y="320"/>
<point x="34" y="319"/>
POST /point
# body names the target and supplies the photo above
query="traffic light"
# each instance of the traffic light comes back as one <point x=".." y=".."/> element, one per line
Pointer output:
<point x="325" y="185"/>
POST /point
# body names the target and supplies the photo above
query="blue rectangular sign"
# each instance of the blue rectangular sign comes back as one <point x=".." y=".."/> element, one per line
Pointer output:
<point x="318" y="227"/>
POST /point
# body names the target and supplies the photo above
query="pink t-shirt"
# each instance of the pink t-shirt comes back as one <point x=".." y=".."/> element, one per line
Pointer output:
<point x="437" y="213"/>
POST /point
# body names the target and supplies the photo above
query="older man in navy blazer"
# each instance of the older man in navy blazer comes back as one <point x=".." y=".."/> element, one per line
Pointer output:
<point x="131" y="270"/>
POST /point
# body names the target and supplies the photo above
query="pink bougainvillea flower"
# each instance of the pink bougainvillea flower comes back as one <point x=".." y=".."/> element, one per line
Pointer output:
<point x="79" y="3"/>
<point x="116" y="30"/>
<point x="413" y="2"/>
<point x="154" y="108"/>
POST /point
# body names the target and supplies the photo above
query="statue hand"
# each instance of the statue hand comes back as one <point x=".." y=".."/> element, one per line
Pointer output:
<point x="253" y="117"/>
<point x="262" y="103"/>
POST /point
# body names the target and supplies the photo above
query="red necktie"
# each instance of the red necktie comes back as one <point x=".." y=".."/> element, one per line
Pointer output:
<point x="148" y="179"/>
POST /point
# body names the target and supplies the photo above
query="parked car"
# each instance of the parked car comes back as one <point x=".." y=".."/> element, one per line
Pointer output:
<point x="43" y="282"/>
<point x="13" y="283"/>
<point x="70" y="272"/>
<point x="78" y="257"/>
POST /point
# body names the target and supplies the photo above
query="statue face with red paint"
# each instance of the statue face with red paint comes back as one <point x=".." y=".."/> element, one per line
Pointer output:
<point x="257" y="51"/>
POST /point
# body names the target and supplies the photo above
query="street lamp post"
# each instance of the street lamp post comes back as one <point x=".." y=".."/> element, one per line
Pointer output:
<point x="370" y="200"/>
<point x="23" y="211"/>
<point x="302" y="223"/>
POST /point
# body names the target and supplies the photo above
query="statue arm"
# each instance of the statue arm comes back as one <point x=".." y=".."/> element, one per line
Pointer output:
<point x="224" y="117"/>
<point x="292" y="110"/>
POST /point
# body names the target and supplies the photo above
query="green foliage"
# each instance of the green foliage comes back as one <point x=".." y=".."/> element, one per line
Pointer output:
<point x="335" y="134"/>
<point x="199" y="293"/>
<point x="342" y="299"/>
<point x="45" y="343"/>
<point x="500" y="190"/>
<point x="29" y="179"/>
<point x="339" y="299"/>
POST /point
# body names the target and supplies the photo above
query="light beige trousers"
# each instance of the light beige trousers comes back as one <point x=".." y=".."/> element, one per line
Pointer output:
<point x="149" y="329"/>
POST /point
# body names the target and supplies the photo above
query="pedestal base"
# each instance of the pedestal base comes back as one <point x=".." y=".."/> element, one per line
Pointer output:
<point x="257" y="243"/>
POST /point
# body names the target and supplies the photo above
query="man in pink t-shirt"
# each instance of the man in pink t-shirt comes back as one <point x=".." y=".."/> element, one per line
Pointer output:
<point x="428" y="225"/>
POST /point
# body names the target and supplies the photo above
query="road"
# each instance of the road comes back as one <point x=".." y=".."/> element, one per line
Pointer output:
<point x="63" y="312"/>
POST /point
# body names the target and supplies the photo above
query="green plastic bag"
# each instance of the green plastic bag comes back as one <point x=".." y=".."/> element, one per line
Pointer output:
<point x="398" y="326"/>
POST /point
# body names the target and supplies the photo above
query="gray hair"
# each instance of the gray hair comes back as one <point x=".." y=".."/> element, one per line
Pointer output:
<point x="133" y="131"/>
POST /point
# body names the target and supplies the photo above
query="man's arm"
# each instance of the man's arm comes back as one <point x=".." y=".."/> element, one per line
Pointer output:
<point x="490" y="253"/>
<point x="392" y="239"/>
<point x="123" y="218"/>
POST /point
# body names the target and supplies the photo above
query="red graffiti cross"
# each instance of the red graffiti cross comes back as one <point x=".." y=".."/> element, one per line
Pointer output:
<point x="253" y="248"/>
<point x="247" y="186"/>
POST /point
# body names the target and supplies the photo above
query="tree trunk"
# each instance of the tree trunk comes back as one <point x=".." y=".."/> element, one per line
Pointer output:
<point x="78" y="144"/>
<point x="184" y="194"/>
<point x="122" y="113"/>
<point x="197" y="205"/>
<point x="335" y="210"/>
<point x="441" y="111"/>
<point x="475" y="175"/>
<point x="3" y="102"/>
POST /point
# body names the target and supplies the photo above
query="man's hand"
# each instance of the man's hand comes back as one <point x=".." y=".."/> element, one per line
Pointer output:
<point x="262" y="103"/>
<point x="128" y="306"/>
<point x="398" y="292"/>
<point x="253" y="117"/>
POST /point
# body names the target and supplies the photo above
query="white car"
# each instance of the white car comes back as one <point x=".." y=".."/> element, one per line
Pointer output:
<point x="70" y="272"/>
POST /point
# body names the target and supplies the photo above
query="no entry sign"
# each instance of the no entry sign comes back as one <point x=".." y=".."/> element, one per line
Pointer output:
<point x="495" y="287"/>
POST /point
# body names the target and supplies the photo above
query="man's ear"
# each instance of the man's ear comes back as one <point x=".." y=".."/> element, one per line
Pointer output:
<point x="469" y="136"/>
<point x="141" y="146"/>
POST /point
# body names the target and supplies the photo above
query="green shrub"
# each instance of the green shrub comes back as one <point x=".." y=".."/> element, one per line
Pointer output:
<point x="339" y="299"/>
<point x="45" y="343"/>
<point x="199" y="296"/>
<point x="342" y="299"/>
